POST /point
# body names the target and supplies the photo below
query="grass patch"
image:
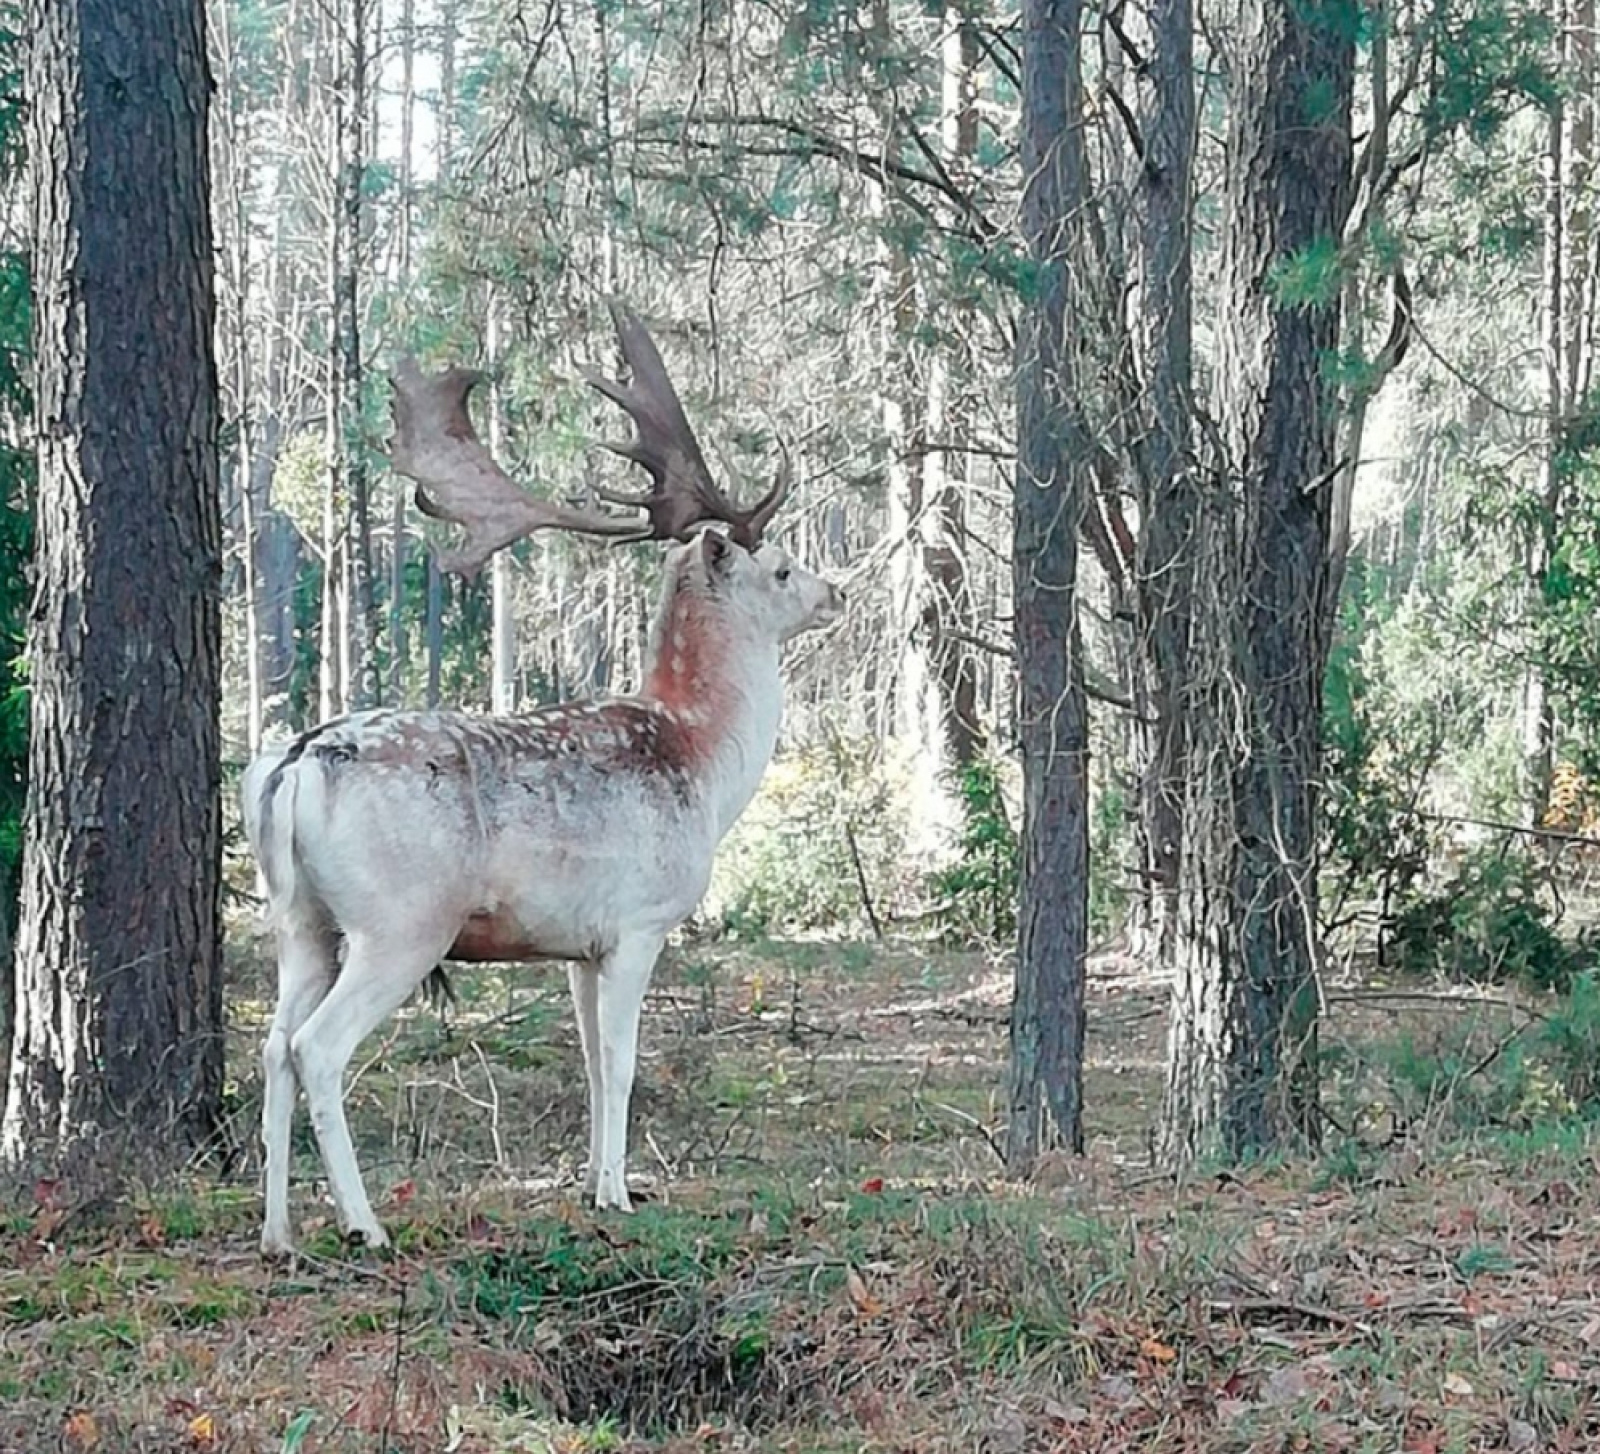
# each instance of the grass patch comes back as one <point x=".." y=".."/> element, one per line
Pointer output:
<point x="830" y="1262"/>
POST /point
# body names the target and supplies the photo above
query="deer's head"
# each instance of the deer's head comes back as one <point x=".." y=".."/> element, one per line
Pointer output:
<point x="775" y="596"/>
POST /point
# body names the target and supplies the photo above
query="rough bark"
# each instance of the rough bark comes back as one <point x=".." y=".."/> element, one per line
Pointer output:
<point x="1047" y="1017"/>
<point x="1165" y="557"/>
<point x="361" y="682"/>
<point x="119" y="1003"/>
<point x="1568" y="307"/>
<point x="231" y="150"/>
<point x="949" y="614"/>
<point x="1242" y="1070"/>
<point x="433" y="629"/>
<point x="399" y="544"/>
<point x="502" y="607"/>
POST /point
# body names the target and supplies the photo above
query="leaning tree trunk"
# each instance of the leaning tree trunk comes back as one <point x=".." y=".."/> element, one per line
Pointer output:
<point x="1242" y="1073"/>
<point x="1047" y="1015"/>
<point x="119" y="1003"/>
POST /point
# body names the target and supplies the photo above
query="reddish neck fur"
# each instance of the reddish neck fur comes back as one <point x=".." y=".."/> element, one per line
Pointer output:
<point x="691" y="668"/>
<point x="714" y="673"/>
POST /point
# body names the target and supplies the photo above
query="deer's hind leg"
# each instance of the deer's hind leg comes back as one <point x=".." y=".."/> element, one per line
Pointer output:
<point x="584" y="981"/>
<point x="380" y="972"/>
<point x="307" y="964"/>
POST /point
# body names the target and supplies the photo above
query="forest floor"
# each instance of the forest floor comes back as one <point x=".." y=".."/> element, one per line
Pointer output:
<point x="830" y="1259"/>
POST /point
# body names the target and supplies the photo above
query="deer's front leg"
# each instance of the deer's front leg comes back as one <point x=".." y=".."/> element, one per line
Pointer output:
<point x="584" y="981"/>
<point x="623" y="978"/>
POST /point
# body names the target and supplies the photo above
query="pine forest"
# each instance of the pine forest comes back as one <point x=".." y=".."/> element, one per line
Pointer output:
<point x="1012" y="587"/>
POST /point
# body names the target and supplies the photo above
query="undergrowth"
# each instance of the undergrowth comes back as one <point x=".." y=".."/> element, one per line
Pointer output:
<point x="832" y="1262"/>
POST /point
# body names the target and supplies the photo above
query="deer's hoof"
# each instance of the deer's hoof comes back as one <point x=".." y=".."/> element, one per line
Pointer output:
<point x="611" y="1194"/>
<point x="373" y="1238"/>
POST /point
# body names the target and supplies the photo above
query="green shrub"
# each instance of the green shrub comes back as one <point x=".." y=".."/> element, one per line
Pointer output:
<point x="1545" y="1072"/>
<point x="1569" y="1038"/>
<point x="825" y="818"/>
<point x="976" y="896"/>
<point x="1493" y="921"/>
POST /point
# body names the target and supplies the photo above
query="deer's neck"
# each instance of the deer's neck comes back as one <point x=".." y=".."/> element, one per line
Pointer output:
<point x="722" y="688"/>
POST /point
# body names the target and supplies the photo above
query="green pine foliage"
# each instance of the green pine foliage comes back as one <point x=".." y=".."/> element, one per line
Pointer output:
<point x="976" y="894"/>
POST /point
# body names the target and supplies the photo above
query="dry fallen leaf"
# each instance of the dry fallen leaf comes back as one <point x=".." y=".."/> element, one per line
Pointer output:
<point x="82" y="1430"/>
<point x="1116" y="1388"/>
<point x="203" y="1430"/>
<point x="1161" y="1352"/>
<point x="1458" y="1387"/>
<point x="867" y="1305"/>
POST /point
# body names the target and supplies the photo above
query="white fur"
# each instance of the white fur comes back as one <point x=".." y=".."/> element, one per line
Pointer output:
<point x="586" y="832"/>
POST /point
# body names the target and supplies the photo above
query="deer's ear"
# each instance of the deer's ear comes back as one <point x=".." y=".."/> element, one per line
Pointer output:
<point x="716" y="551"/>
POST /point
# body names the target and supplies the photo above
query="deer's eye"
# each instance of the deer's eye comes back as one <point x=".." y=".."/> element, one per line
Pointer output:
<point x="783" y="572"/>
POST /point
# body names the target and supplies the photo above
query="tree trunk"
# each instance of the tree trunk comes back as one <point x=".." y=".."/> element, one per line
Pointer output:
<point x="1165" y="557"/>
<point x="1242" y="1071"/>
<point x="119" y="1005"/>
<point x="1047" y="1016"/>
<point x="502" y="616"/>
<point x="948" y="614"/>
<point x="1568" y="308"/>
<point x="232" y="155"/>
<point x="399" y="544"/>
<point x="350" y="477"/>
<point x="448" y="37"/>
<point x="434" y="629"/>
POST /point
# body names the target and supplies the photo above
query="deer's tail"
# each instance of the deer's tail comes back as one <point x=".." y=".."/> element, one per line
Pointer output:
<point x="268" y="797"/>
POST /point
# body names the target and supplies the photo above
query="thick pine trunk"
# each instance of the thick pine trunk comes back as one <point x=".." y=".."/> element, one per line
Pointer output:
<point x="1568" y="307"/>
<point x="1047" y="1016"/>
<point x="398" y="546"/>
<point x="1243" y="1052"/>
<point x="502" y="606"/>
<point x="119" y="1005"/>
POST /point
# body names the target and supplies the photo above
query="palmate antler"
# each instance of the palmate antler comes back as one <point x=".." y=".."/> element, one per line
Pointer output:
<point x="684" y="493"/>
<point x="458" y="479"/>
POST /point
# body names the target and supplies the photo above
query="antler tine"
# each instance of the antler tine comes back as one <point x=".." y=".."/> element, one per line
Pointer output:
<point x="765" y="508"/>
<point x="684" y="493"/>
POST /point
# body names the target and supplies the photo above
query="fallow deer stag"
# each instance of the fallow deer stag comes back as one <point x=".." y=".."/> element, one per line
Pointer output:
<point x="393" y="840"/>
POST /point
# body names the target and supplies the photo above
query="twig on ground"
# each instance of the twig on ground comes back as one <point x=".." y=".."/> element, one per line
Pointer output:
<point x="1248" y="1308"/>
<point x="394" y="1367"/>
<point x="976" y="1124"/>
